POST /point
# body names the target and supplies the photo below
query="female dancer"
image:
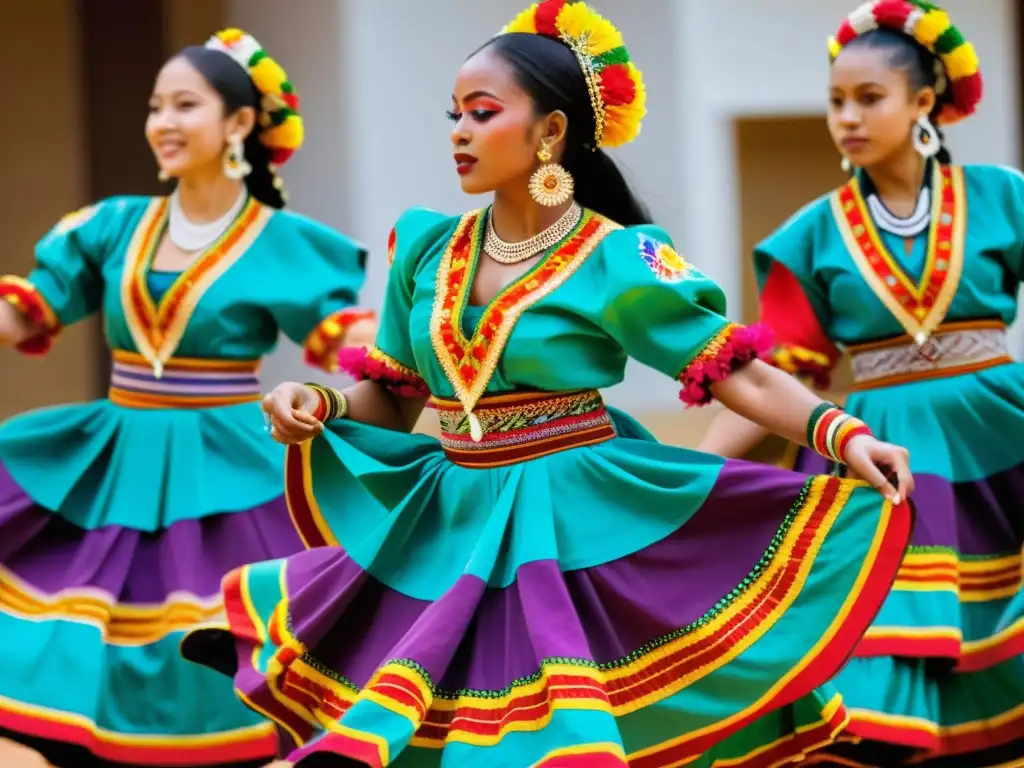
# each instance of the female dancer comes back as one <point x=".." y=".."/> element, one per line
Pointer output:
<point x="118" y="518"/>
<point x="913" y="267"/>
<point x="548" y="585"/>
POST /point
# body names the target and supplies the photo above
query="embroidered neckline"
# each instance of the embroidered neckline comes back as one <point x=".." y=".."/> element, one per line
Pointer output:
<point x="919" y="307"/>
<point x="469" y="363"/>
<point x="157" y="327"/>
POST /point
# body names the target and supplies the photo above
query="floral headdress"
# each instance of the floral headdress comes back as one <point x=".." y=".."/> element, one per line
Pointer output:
<point x="616" y="86"/>
<point x="930" y="26"/>
<point x="281" y="128"/>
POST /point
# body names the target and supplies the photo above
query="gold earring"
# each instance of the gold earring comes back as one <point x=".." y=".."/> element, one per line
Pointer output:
<point x="550" y="184"/>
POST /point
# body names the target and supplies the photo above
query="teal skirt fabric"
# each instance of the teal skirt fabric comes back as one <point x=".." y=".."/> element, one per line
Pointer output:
<point x="939" y="678"/>
<point x="116" y="528"/>
<point x="624" y="603"/>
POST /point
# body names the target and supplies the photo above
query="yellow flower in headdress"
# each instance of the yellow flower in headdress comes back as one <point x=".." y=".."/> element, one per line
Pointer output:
<point x="961" y="62"/>
<point x="281" y="126"/>
<point x="578" y="22"/>
<point x="930" y="26"/>
<point x="615" y="85"/>
<point x="230" y="36"/>
<point x="524" y="22"/>
<point x="268" y="76"/>
<point x="623" y="121"/>
<point x="287" y="135"/>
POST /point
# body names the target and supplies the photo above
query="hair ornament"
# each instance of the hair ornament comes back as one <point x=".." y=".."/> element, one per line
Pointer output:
<point x="281" y="127"/>
<point x="930" y="27"/>
<point x="616" y="86"/>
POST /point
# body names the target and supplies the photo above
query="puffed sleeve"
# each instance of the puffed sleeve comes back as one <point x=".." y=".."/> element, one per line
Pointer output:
<point x="332" y="267"/>
<point x="391" y="361"/>
<point x="66" y="284"/>
<point x="794" y="304"/>
<point x="668" y="315"/>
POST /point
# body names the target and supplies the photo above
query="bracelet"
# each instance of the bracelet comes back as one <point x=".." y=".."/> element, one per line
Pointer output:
<point x="333" y="404"/>
<point x="830" y="429"/>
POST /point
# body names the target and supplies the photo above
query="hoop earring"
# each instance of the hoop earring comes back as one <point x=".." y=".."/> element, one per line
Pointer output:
<point x="551" y="184"/>
<point x="926" y="138"/>
<point x="235" y="165"/>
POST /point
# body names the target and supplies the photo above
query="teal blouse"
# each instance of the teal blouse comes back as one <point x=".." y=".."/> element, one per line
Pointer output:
<point x="605" y="294"/>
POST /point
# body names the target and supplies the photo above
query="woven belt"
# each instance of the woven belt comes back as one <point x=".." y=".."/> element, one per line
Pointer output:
<point x="184" y="383"/>
<point x="954" y="348"/>
<point x="522" y="426"/>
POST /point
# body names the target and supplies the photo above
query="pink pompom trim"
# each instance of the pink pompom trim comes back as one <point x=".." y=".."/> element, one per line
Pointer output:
<point x="731" y="349"/>
<point x="361" y="363"/>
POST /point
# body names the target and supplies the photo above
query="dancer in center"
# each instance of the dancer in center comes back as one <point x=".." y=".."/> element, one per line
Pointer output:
<point x="548" y="585"/>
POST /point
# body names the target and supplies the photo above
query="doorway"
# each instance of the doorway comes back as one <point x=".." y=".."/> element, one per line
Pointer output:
<point x="783" y="163"/>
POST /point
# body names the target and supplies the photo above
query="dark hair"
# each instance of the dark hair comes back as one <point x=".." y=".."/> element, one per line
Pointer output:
<point x="907" y="55"/>
<point x="236" y="89"/>
<point x="549" y="71"/>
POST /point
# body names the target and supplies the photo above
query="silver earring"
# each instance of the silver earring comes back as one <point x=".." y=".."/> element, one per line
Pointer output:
<point x="926" y="138"/>
<point x="235" y="165"/>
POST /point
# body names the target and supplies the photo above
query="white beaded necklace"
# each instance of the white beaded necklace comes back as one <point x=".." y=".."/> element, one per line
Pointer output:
<point x="191" y="237"/>
<point x="912" y="225"/>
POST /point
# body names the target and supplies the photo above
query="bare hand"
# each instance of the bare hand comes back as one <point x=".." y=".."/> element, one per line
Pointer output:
<point x="14" y="326"/>
<point x="279" y="764"/>
<point x="290" y="407"/>
<point x="14" y="755"/>
<point x="872" y="460"/>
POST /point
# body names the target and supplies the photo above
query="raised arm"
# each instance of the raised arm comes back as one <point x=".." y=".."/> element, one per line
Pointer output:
<point x="391" y="393"/>
<point x="794" y="305"/>
<point x="668" y="315"/>
<point x="15" y="326"/>
<point x="66" y="284"/>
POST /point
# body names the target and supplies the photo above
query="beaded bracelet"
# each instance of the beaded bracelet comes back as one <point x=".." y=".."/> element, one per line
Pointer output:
<point x="830" y="429"/>
<point x="333" y="404"/>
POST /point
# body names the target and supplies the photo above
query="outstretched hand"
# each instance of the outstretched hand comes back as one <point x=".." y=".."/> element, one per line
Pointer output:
<point x="14" y="755"/>
<point x="879" y="464"/>
<point x="290" y="408"/>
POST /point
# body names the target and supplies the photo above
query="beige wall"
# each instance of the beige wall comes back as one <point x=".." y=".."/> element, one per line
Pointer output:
<point x="44" y="177"/>
<point x="191" y="22"/>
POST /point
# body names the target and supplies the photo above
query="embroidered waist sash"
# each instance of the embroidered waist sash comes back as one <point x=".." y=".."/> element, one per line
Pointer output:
<point x="184" y="382"/>
<point x="953" y="348"/>
<point x="521" y="426"/>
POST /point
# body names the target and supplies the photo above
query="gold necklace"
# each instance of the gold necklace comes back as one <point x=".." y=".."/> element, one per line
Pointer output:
<point x="513" y="253"/>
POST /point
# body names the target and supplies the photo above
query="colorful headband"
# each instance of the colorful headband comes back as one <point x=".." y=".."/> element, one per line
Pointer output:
<point x="616" y="86"/>
<point x="281" y="126"/>
<point x="929" y="26"/>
